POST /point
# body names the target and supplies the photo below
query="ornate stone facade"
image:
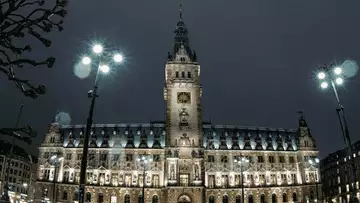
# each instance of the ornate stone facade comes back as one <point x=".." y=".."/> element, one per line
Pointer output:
<point x="193" y="161"/>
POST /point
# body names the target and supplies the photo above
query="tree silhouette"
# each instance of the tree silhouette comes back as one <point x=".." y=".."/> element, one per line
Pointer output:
<point x="20" y="19"/>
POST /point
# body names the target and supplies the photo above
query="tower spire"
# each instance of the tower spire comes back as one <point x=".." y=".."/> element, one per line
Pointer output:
<point x="181" y="39"/>
<point x="180" y="12"/>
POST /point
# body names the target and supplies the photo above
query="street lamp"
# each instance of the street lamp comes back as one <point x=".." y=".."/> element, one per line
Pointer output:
<point x="55" y="160"/>
<point x="242" y="161"/>
<point x="315" y="162"/>
<point x="334" y="75"/>
<point x="144" y="160"/>
<point x="103" y="66"/>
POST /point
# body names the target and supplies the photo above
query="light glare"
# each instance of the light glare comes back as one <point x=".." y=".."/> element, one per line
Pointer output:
<point x="324" y="85"/>
<point x="321" y="75"/>
<point x="86" y="60"/>
<point x="97" y="48"/>
<point x="104" y="68"/>
<point x="339" y="81"/>
<point x="118" y="58"/>
<point x="338" y="70"/>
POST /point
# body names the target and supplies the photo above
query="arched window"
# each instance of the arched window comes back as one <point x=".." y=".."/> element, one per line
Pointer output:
<point x="284" y="197"/>
<point x="238" y="199"/>
<point x="155" y="199"/>
<point x="294" y="197"/>
<point x="100" y="198"/>
<point x="88" y="197"/>
<point x="65" y="195"/>
<point x="251" y="199"/>
<point x="273" y="198"/>
<point x="127" y="198"/>
<point x="189" y="74"/>
<point x="76" y="196"/>
<point x="211" y="199"/>
<point x="312" y="196"/>
<point x="225" y="199"/>
<point x="262" y="198"/>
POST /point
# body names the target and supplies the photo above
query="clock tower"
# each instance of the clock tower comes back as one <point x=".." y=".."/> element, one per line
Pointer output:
<point x="182" y="93"/>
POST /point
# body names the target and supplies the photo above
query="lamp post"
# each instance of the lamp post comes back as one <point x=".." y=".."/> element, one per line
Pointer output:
<point x="55" y="160"/>
<point x="315" y="162"/>
<point x="103" y="66"/>
<point x="242" y="161"/>
<point x="334" y="75"/>
<point x="144" y="160"/>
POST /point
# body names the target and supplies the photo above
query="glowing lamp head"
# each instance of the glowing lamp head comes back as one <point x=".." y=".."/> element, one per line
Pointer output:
<point x="118" y="58"/>
<point x="321" y="75"/>
<point x="324" y="85"/>
<point x="104" y="68"/>
<point x="97" y="48"/>
<point x="86" y="60"/>
<point x="338" y="70"/>
<point x="317" y="160"/>
<point x="339" y="81"/>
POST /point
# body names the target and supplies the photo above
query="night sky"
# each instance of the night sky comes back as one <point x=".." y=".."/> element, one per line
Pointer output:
<point x="257" y="64"/>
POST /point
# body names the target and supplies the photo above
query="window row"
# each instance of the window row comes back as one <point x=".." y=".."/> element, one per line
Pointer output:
<point x="183" y="74"/>
<point x="251" y="199"/>
<point x="100" y="197"/>
<point x="260" y="159"/>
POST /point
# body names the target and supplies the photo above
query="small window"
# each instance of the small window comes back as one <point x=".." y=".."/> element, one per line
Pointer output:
<point x="65" y="195"/>
<point x="183" y="74"/>
<point x="189" y="74"/>
<point x="291" y="159"/>
<point x="260" y="159"/>
<point x="271" y="159"/>
<point x="224" y="159"/>
<point x="211" y="158"/>
<point x="281" y="159"/>
<point x="177" y="74"/>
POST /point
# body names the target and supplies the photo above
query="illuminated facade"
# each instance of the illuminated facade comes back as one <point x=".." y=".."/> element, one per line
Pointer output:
<point x="193" y="161"/>
<point x="22" y="173"/>
<point x="336" y="174"/>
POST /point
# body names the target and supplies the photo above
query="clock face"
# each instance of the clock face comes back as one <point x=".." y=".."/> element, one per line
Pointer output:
<point x="183" y="97"/>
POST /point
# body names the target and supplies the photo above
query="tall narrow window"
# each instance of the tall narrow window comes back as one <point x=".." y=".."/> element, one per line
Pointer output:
<point x="183" y="74"/>
<point x="189" y="74"/>
<point x="177" y="74"/>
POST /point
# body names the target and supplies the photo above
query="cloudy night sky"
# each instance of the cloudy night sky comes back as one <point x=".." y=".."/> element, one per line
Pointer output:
<point x="257" y="64"/>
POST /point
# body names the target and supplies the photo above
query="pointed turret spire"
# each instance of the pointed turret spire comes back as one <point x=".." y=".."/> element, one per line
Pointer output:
<point x="180" y="12"/>
<point x="181" y="39"/>
<point x="302" y="121"/>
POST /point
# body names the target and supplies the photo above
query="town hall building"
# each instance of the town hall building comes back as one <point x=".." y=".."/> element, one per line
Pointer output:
<point x="182" y="159"/>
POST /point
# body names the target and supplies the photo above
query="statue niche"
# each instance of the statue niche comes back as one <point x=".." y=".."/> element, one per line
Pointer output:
<point x="184" y="116"/>
<point x="185" y="140"/>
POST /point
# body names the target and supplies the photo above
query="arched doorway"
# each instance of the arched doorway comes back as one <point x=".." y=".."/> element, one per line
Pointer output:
<point x="184" y="199"/>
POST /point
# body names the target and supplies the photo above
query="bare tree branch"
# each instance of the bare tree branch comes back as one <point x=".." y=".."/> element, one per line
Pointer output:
<point x="16" y="23"/>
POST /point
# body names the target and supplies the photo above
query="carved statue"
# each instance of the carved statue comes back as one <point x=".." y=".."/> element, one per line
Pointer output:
<point x="197" y="172"/>
<point x="184" y="115"/>
<point x="172" y="172"/>
<point x="185" y="140"/>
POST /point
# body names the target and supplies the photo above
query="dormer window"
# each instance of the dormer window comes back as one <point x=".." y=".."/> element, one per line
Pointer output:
<point x="189" y="74"/>
<point x="183" y="74"/>
<point x="177" y="74"/>
<point x="182" y="59"/>
<point x="52" y="139"/>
